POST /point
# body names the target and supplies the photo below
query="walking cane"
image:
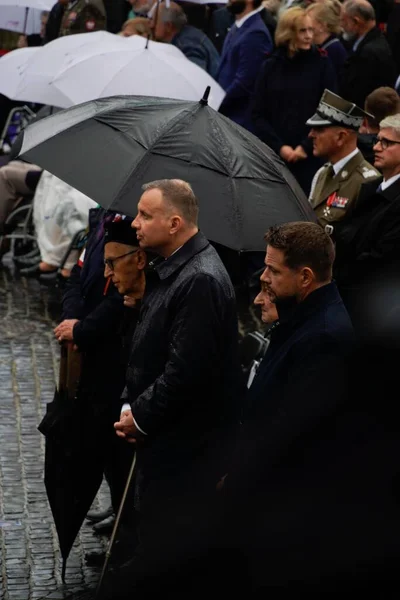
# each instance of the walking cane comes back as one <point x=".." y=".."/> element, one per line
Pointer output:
<point x="115" y="528"/>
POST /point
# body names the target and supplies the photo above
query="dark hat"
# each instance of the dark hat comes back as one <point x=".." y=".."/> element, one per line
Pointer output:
<point x="334" y="110"/>
<point x="120" y="230"/>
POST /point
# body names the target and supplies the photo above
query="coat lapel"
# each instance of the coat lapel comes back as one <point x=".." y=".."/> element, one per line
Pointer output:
<point x="343" y="175"/>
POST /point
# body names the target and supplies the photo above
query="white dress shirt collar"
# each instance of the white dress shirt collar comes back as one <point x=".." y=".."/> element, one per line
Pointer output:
<point x="341" y="163"/>
<point x="240" y="22"/>
<point x="388" y="182"/>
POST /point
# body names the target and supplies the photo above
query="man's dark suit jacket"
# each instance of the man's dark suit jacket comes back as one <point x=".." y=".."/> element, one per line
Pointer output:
<point x="370" y="66"/>
<point x="368" y="254"/>
<point x="222" y="20"/>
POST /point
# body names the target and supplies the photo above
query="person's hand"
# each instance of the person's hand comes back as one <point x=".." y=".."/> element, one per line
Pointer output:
<point x="300" y="153"/>
<point x="64" y="331"/>
<point x="125" y="428"/>
<point x="287" y="153"/>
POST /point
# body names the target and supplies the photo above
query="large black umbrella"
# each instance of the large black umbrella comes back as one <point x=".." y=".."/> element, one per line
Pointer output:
<point x="74" y="454"/>
<point x="108" y="148"/>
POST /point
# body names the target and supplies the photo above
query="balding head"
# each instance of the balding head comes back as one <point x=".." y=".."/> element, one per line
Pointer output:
<point x="359" y="8"/>
<point x="357" y="18"/>
<point x="168" y="22"/>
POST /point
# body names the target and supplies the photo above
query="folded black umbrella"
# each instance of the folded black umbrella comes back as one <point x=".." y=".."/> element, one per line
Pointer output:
<point x="74" y="454"/>
<point x="108" y="148"/>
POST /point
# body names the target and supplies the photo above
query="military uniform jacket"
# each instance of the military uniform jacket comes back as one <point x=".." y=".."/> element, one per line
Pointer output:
<point x="83" y="16"/>
<point x="333" y="198"/>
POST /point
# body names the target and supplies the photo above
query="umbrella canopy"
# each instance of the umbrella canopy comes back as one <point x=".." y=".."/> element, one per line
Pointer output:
<point x="109" y="147"/>
<point x="145" y="68"/>
<point x="20" y="20"/>
<point x="12" y="67"/>
<point x="39" y="69"/>
<point x="40" y="4"/>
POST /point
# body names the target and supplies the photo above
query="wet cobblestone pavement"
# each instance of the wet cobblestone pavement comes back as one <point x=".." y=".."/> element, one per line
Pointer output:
<point x="29" y="556"/>
<point x="30" y="566"/>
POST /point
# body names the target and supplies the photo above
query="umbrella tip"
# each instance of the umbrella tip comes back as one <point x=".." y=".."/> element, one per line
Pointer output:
<point x="147" y="42"/>
<point x="204" y="100"/>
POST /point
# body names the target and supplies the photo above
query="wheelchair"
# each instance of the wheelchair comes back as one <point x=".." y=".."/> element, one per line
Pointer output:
<point x="17" y="236"/>
<point x="18" y="118"/>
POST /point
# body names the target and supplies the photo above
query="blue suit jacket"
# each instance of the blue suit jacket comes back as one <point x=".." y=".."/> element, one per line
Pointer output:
<point x="243" y="52"/>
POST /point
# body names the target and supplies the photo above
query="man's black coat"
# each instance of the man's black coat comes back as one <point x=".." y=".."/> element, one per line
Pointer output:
<point x="183" y="370"/>
<point x="370" y="66"/>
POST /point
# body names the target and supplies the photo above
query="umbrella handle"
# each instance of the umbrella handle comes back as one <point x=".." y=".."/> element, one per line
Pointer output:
<point x="116" y="525"/>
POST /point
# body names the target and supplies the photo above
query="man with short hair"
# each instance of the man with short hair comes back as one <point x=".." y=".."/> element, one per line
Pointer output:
<point x="370" y="64"/>
<point x="245" y="48"/>
<point x="336" y="185"/>
<point x="282" y="478"/>
<point x="170" y="26"/>
<point x="368" y="259"/>
<point x="222" y="19"/>
<point x="182" y="382"/>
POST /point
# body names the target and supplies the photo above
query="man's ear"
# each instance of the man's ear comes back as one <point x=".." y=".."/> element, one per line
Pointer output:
<point x="307" y="276"/>
<point x="176" y="224"/>
<point x="141" y="259"/>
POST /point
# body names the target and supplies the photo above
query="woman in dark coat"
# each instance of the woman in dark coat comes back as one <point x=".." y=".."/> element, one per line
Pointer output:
<point x="325" y="19"/>
<point x="288" y="90"/>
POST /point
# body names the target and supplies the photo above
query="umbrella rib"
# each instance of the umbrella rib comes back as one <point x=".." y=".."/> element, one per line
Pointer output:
<point x="169" y="125"/>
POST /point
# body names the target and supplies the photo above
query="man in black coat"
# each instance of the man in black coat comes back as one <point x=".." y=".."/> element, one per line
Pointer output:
<point x="368" y="246"/>
<point x="310" y="479"/>
<point x="182" y="386"/>
<point x="96" y="320"/>
<point x="222" y="20"/>
<point x="370" y="63"/>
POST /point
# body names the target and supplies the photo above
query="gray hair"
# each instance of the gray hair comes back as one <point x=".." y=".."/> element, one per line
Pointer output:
<point x="359" y="8"/>
<point x="179" y="195"/>
<point x="175" y="15"/>
<point x="392" y="122"/>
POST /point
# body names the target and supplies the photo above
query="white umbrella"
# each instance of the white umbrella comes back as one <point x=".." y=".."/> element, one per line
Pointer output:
<point x="52" y="58"/>
<point x="11" y="69"/>
<point x="40" y="4"/>
<point x="148" y="69"/>
<point x="20" y="20"/>
<point x="27" y="76"/>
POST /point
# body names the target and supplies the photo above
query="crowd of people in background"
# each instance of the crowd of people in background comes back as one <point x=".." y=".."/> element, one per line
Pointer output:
<point x="293" y="484"/>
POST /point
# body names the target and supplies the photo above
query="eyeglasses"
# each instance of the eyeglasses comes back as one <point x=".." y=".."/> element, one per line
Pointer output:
<point x="109" y="262"/>
<point x="384" y="142"/>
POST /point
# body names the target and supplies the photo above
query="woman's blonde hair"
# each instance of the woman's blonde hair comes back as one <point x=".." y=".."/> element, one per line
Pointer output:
<point x="327" y="13"/>
<point x="137" y="26"/>
<point x="287" y="28"/>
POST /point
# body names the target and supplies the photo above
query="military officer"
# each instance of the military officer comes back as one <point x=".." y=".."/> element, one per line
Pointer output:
<point x="335" y="188"/>
<point x="82" y="16"/>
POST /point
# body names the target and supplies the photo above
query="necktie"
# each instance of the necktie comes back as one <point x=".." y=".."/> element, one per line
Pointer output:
<point x="379" y="188"/>
<point x="330" y="174"/>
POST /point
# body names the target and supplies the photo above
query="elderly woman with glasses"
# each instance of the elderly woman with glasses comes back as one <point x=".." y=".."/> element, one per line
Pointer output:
<point x="287" y="93"/>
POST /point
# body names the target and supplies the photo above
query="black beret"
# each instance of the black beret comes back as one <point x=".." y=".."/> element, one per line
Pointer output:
<point x="119" y="230"/>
